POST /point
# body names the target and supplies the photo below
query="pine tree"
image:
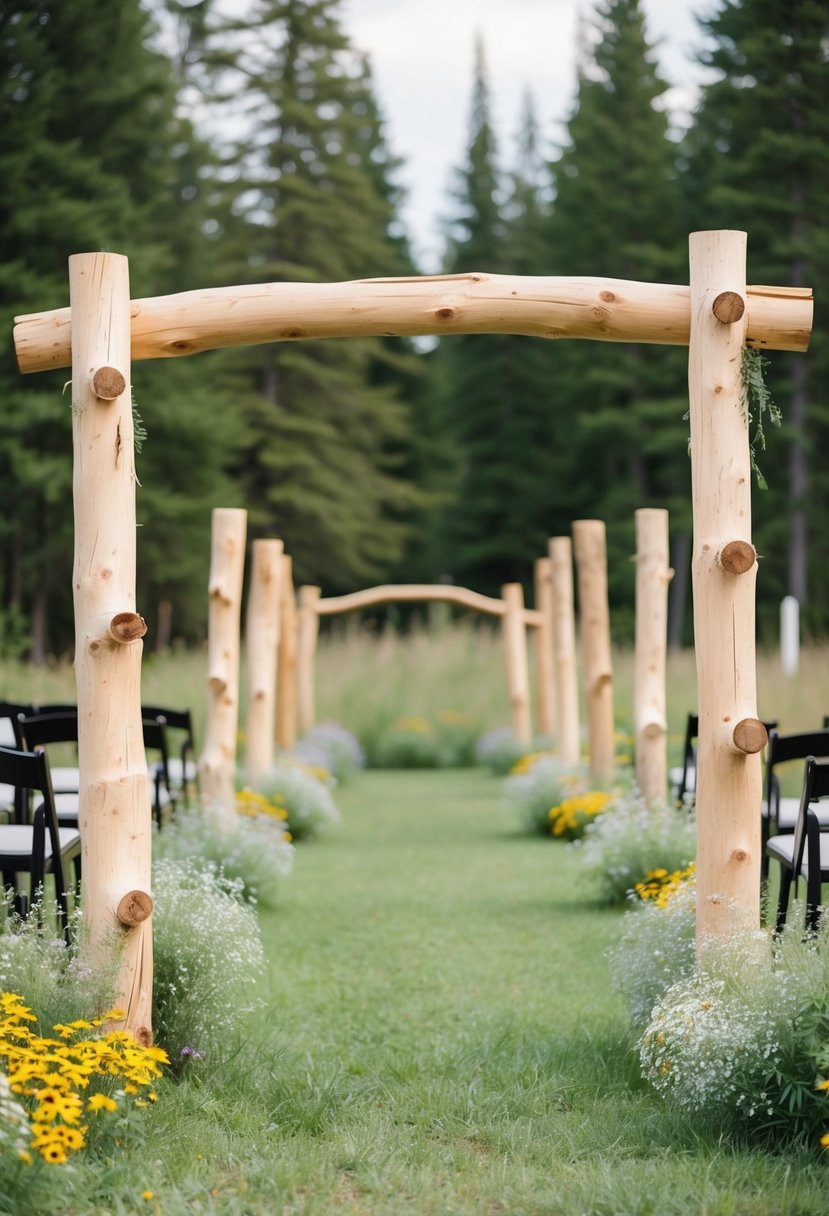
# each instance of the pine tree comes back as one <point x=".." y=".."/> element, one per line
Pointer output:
<point x="86" y="156"/>
<point x="314" y="200"/>
<point x="620" y="435"/>
<point x="758" y="160"/>
<point x="491" y="391"/>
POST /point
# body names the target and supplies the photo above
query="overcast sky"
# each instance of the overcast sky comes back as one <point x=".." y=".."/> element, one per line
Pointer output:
<point x="422" y="55"/>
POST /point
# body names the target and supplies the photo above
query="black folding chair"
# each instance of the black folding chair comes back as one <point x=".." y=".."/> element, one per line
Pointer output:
<point x="685" y="778"/>
<point x="805" y="851"/>
<point x="61" y="726"/>
<point x="779" y="814"/>
<point x="183" y="769"/>
<point x="9" y="737"/>
<point x="41" y="847"/>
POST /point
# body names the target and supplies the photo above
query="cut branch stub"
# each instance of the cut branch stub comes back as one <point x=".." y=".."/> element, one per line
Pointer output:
<point x="108" y="383"/>
<point x="728" y="307"/>
<point x="737" y="557"/>
<point x="127" y="627"/>
<point x="750" y="736"/>
<point x="135" y="907"/>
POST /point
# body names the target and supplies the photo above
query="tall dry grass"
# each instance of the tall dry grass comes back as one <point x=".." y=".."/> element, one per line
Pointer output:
<point x="367" y="677"/>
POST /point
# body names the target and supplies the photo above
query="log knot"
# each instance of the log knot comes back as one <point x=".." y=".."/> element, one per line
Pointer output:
<point x="737" y="557"/>
<point x="127" y="627"/>
<point x="134" y="908"/>
<point x="750" y="736"/>
<point x="728" y="307"/>
<point x="108" y="383"/>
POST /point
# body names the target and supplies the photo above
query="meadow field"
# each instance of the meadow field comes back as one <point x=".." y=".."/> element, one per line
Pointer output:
<point x="436" y="1031"/>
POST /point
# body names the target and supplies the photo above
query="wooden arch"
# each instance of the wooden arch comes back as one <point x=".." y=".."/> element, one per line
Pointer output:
<point x="102" y="329"/>
<point x="509" y="609"/>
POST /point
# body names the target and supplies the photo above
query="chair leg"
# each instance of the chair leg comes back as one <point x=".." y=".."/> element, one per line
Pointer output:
<point x="764" y="857"/>
<point x="783" y="901"/>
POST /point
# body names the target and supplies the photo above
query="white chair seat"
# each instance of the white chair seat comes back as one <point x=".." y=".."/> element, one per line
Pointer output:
<point x="66" y="807"/>
<point x="7" y="738"/>
<point x="782" y="847"/>
<point x="16" y="840"/>
<point x="7" y="796"/>
<point x="65" y="780"/>
<point x="181" y="772"/>
<point x="787" y="814"/>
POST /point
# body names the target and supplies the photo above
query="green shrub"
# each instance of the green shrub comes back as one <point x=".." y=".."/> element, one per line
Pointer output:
<point x="500" y="751"/>
<point x="54" y="980"/>
<point x="330" y="746"/>
<point x="299" y="795"/>
<point x="208" y="958"/>
<point x="537" y="784"/>
<point x="632" y="839"/>
<point x="409" y="742"/>
<point x="248" y="847"/>
<point x="655" y="950"/>
<point x="745" y="1037"/>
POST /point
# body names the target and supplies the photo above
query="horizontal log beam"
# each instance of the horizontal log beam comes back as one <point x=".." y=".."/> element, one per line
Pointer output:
<point x="610" y="310"/>
<point x="410" y="593"/>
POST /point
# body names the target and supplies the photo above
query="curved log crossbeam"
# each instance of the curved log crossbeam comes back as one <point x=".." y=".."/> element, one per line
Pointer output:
<point x="417" y="593"/>
<point x="609" y="310"/>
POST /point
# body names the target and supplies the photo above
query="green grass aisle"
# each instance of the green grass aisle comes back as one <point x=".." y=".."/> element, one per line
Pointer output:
<point x="441" y="1038"/>
<point x="450" y="1042"/>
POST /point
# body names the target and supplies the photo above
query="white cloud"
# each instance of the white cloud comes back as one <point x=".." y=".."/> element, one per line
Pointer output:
<point x="422" y="55"/>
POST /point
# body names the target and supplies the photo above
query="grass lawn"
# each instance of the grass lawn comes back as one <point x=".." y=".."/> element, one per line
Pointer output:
<point x="440" y="1037"/>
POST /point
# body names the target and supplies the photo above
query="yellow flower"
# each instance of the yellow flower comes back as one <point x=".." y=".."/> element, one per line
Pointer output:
<point x="572" y="814"/>
<point x="824" y="1140"/>
<point x="660" y="886"/>
<point x="417" y="725"/>
<point x="148" y="1195"/>
<point x="101" y="1102"/>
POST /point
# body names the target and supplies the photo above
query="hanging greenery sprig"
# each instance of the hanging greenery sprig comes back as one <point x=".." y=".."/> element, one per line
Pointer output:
<point x="758" y="405"/>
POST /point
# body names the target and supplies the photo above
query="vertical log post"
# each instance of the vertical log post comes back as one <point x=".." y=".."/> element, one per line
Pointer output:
<point x="515" y="647"/>
<point x="114" y="798"/>
<point x="590" y="547"/>
<point x="286" y="706"/>
<point x="308" y="633"/>
<point x="564" y="650"/>
<point x="724" y="575"/>
<point x="545" y="688"/>
<point x="653" y="575"/>
<point x="261" y="649"/>
<point x="217" y="766"/>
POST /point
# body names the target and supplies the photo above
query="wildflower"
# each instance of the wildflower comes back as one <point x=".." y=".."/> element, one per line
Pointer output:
<point x="148" y="1195"/>
<point x="101" y="1102"/>
<point x="659" y="886"/>
<point x="570" y="817"/>
<point x="47" y="1074"/>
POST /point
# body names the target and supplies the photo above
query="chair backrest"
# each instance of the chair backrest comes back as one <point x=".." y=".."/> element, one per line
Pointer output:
<point x="783" y="748"/>
<point x="815" y="786"/>
<point x="39" y="729"/>
<point x="155" y="738"/>
<point x="689" y="756"/>
<point x="29" y="771"/>
<point x="9" y="713"/>
<point x="176" y="719"/>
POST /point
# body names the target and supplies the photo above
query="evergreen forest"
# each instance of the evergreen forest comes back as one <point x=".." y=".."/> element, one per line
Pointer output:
<point x="215" y="150"/>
